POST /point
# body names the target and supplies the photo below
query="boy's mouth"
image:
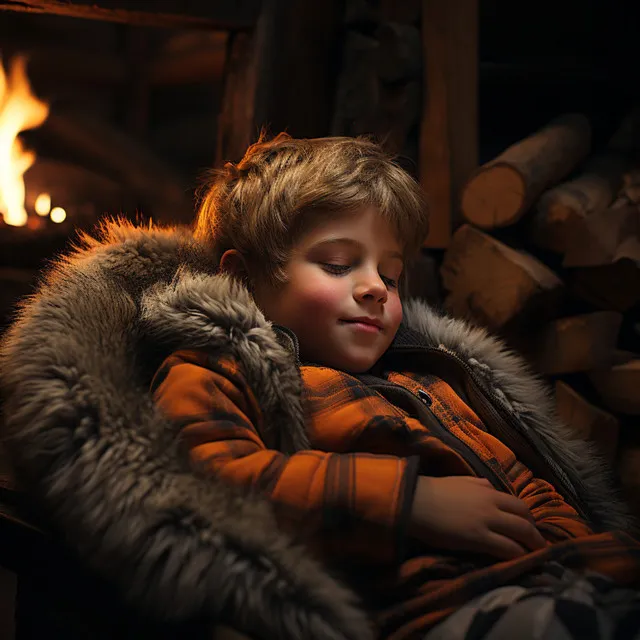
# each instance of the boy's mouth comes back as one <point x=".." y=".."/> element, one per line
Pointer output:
<point x="372" y="325"/>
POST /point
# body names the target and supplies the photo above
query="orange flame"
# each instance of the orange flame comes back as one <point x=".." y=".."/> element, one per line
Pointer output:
<point x="19" y="110"/>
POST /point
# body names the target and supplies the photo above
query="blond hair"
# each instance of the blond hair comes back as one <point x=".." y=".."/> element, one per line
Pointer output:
<point x="283" y="186"/>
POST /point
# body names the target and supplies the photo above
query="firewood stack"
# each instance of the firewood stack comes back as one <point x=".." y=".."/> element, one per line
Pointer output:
<point x="549" y="257"/>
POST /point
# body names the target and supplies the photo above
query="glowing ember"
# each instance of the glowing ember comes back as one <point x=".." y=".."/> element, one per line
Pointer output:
<point x="43" y="204"/>
<point x="19" y="110"/>
<point x="58" y="214"/>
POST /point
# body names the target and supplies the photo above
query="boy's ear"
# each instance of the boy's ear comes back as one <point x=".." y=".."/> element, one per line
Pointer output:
<point x="234" y="264"/>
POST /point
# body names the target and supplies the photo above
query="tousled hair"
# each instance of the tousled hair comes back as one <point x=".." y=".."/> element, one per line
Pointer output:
<point x="283" y="186"/>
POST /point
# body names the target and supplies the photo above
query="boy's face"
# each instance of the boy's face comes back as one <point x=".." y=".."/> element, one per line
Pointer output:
<point x="341" y="298"/>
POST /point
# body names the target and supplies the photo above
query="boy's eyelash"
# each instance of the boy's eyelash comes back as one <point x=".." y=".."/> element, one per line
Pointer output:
<point x="339" y="269"/>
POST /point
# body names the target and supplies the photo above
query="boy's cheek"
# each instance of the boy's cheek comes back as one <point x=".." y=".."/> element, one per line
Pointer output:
<point x="320" y="297"/>
<point x="394" y="309"/>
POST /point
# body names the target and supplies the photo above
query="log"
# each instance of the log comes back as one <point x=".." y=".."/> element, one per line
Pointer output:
<point x="561" y="207"/>
<point x="578" y="343"/>
<point x="604" y="237"/>
<point x="603" y="257"/>
<point x="399" y="54"/>
<point x="121" y="157"/>
<point x="238" y="15"/>
<point x="587" y="421"/>
<point x="618" y="386"/>
<point x="500" y="192"/>
<point x="495" y="285"/>
<point x="613" y="286"/>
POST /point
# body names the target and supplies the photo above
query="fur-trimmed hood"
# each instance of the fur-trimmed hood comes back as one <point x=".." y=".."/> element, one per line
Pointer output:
<point x="112" y="475"/>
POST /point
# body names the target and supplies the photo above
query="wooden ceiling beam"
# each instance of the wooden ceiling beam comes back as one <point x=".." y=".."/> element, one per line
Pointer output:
<point x="238" y="15"/>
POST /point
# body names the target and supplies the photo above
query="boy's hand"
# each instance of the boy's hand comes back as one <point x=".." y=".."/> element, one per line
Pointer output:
<point x="463" y="513"/>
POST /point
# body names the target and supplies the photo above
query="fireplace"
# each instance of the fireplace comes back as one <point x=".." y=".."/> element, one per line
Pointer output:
<point x="100" y="117"/>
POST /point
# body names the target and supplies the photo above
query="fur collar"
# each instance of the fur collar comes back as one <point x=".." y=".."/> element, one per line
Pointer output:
<point x="110" y="471"/>
<point x="527" y="397"/>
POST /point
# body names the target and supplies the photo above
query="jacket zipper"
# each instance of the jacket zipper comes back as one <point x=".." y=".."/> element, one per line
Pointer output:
<point x="469" y="455"/>
<point x="512" y="437"/>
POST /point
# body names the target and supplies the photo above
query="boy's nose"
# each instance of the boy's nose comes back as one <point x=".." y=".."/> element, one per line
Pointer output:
<point x="371" y="288"/>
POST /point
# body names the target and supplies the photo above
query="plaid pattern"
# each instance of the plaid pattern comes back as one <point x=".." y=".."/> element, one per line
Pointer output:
<point x="352" y="493"/>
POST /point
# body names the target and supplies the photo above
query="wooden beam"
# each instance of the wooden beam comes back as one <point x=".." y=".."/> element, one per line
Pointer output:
<point x="281" y="76"/>
<point x="203" y="62"/>
<point x="237" y="118"/>
<point x="449" y="128"/>
<point x="210" y="14"/>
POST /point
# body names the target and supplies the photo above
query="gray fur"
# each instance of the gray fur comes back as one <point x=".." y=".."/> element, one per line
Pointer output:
<point x="109" y="468"/>
<point x="527" y="397"/>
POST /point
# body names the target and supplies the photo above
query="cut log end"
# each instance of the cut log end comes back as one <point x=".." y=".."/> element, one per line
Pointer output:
<point x="494" y="197"/>
<point x="503" y="190"/>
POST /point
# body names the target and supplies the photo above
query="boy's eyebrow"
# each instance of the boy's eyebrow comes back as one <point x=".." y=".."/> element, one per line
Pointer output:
<point x="354" y="243"/>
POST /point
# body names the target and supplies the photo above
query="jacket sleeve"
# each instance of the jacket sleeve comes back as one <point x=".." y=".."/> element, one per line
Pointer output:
<point x="554" y="517"/>
<point x="355" y="504"/>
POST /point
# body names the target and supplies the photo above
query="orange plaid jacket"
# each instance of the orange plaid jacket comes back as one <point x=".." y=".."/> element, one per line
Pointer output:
<point x="351" y="494"/>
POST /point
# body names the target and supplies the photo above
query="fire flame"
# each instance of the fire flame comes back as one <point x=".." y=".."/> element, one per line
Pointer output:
<point x="19" y="110"/>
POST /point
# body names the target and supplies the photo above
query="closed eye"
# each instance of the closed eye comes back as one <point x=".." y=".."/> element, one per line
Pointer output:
<point x="336" y="269"/>
<point x="341" y="269"/>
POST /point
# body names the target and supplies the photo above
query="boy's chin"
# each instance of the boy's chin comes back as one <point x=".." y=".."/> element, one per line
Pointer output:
<point x="358" y="363"/>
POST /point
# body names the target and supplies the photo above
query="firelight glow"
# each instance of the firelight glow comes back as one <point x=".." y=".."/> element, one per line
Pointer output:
<point x="58" y="214"/>
<point x="19" y="110"/>
<point x="43" y="204"/>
